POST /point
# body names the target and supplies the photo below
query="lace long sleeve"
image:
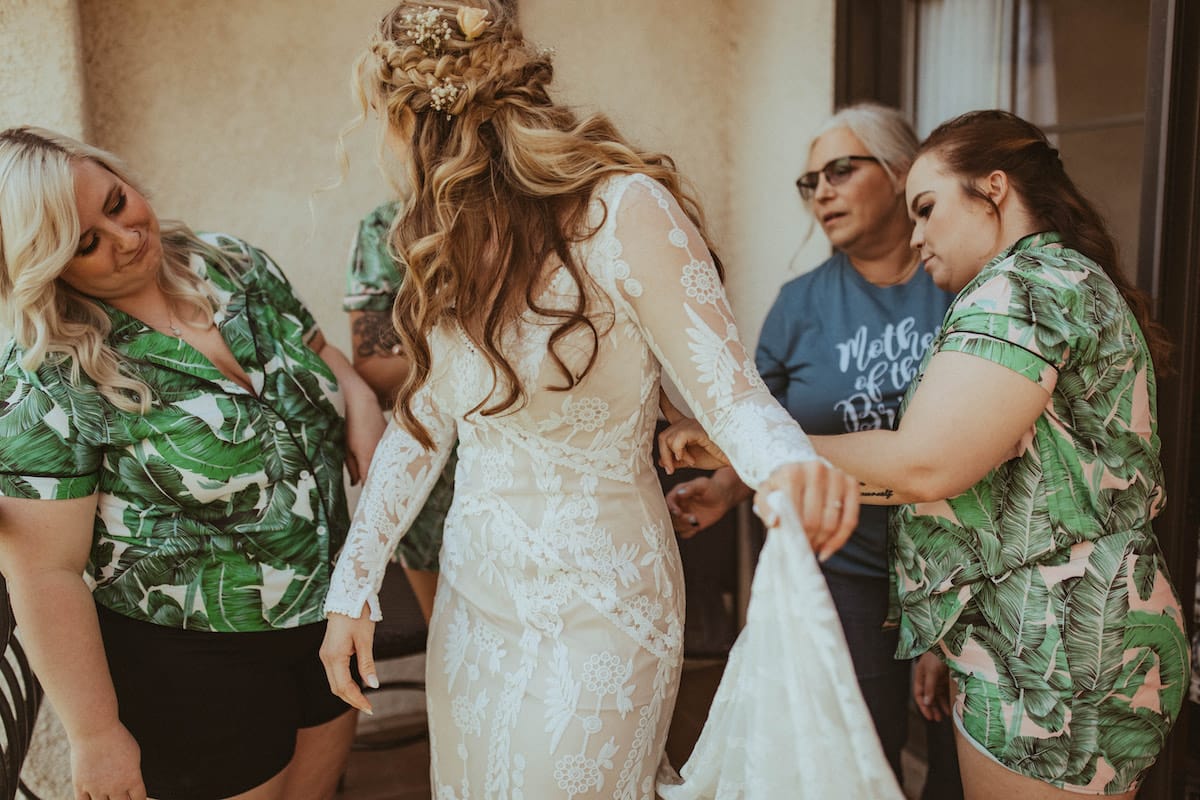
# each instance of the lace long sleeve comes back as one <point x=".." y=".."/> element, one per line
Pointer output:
<point x="659" y="268"/>
<point x="401" y="476"/>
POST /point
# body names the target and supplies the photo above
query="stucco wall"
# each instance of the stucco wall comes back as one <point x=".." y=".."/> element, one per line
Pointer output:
<point x="41" y="81"/>
<point x="782" y="90"/>
<point x="731" y="90"/>
<point x="229" y="111"/>
<point x="659" y="69"/>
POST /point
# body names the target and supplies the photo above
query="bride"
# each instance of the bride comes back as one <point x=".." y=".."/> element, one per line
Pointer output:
<point x="555" y="274"/>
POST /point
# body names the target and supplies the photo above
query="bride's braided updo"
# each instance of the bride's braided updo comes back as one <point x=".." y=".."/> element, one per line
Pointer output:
<point x="422" y="49"/>
<point x="500" y="179"/>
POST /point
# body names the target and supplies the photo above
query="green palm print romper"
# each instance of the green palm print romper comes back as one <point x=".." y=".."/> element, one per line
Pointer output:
<point x="219" y="509"/>
<point x="372" y="281"/>
<point x="1042" y="586"/>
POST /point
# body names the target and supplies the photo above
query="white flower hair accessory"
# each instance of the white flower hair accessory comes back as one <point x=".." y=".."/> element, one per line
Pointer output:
<point x="427" y="29"/>
<point x="472" y="22"/>
<point x="442" y="96"/>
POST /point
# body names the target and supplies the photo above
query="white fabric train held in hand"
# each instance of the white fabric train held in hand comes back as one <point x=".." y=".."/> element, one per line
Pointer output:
<point x="788" y="719"/>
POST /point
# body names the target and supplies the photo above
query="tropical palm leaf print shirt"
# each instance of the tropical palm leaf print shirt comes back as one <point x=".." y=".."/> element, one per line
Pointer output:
<point x="374" y="276"/>
<point x="1087" y="470"/>
<point x="219" y="509"/>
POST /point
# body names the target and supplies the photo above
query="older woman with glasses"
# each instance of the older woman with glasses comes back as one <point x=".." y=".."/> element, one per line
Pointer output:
<point x="838" y="349"/>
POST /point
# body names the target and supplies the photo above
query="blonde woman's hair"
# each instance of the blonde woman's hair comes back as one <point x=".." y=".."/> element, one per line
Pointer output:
<point x="500" y="179"/>
<point x="39" y="235"/>
<point x="884" y="131"/>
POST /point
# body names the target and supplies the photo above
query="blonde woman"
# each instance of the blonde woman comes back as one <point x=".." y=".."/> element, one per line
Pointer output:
<point x="555" y="272"/>
<point x="171" y="431"/>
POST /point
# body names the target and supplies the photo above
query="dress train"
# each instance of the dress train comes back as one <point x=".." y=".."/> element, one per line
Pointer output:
<point x="788" y="719"/>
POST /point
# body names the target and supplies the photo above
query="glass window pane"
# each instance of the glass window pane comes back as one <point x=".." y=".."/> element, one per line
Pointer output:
<point x="1099" y="57"/>
<point x="1077" y="68"/>
<point x="1106" y="164"/>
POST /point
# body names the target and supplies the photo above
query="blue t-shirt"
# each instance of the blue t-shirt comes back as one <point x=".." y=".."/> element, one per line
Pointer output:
<point x="838" y="352"/>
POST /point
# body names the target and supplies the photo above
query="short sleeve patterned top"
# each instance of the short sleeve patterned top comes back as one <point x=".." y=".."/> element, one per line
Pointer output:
<point x="374" y="277"/>
<point x="219" y="509"/>
<point x="1088" y="470"/>
<point x="1042" y="586"/>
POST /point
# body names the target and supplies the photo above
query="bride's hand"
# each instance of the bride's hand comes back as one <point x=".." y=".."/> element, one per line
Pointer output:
<point x="346" y="637"/>
<point x="684" y="443"/>
<point x="825" y="498"/>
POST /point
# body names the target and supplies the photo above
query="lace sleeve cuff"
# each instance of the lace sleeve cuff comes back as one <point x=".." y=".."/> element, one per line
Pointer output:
<point x="334" y="605"/>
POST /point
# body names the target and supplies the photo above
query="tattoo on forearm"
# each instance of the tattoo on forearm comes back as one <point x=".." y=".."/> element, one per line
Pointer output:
<point x="374" y="335"/>
<point x="884" y="493"/>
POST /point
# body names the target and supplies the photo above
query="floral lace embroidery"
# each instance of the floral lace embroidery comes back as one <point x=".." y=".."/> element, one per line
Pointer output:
<point x="557" y="637"/>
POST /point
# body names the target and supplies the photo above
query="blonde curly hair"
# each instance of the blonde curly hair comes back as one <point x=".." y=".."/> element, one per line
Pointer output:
<point x="500" y="178"/>
<point x="39" y="235"/>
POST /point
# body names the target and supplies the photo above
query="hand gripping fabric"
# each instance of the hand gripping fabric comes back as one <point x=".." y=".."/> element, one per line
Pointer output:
<point x="788" y="719"/>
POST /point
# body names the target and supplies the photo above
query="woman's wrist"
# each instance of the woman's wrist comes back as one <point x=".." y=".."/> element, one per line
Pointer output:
<point x="732" y="490"/>
<point x="361" y="399"/>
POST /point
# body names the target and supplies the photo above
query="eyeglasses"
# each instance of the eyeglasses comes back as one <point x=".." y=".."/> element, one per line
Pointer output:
<point x="836" y="172"/>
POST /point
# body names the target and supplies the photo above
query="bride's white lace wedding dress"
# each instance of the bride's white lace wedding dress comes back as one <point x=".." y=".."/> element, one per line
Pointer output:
<point x="557" y="636"/>
<point x="788" y="720"/>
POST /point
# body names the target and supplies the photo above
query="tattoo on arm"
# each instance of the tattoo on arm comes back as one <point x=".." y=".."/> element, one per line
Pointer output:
<point x="884" y="493"/>
<point x="373" y="334"/>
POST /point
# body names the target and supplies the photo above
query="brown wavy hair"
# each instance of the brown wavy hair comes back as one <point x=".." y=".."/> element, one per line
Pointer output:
<point x="500" y="181"/>
<point x="974" y="144"/>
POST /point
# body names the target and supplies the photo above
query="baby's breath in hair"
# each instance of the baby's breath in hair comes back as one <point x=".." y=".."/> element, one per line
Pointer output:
<point x="442" y="97"/>
<point x="525" y="167"/>
<point x="427" y="29"/>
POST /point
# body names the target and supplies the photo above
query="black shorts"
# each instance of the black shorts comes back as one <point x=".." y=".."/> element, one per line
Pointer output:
<point x="215" y="714"/>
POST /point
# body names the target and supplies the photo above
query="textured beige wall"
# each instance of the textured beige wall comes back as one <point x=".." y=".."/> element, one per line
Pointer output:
<point x="659" y="69"/>
<point x="229" y="111"/>
<point x="782" y="88"/>
<point x="41" y="81"/>
<point x="729" y="88"/>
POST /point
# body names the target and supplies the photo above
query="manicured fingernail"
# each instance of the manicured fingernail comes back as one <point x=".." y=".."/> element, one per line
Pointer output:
<point x="693" y="521"/>
<point x="368" y="712"/>
<point x="824" y="557"/>
<point x="371" y="681"/>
